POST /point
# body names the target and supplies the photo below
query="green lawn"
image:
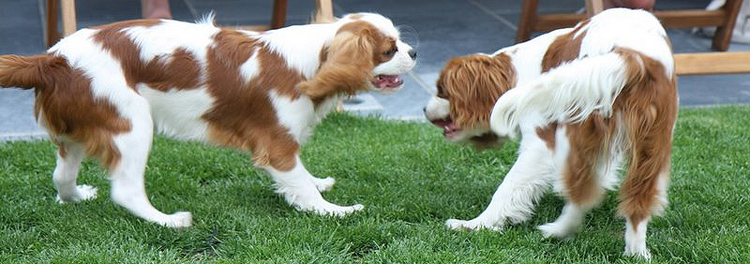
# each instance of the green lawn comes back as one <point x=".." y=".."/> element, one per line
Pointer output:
<point x="410" y="182"/>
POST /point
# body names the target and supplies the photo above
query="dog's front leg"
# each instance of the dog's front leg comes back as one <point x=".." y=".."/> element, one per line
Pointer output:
<point x="302" y="190"/>
<point x="514" y="200"/>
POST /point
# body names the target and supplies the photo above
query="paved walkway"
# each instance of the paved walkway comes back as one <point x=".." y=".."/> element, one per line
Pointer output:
<point x="439" y="29"/>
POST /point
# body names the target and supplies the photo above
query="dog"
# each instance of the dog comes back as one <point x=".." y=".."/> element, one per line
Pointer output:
<point x="101" y="92"/>
<point x="584" y="100"/>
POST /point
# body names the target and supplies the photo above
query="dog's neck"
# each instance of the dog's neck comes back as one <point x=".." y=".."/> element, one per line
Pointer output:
<point x="301" y="45"/>
<point x="526" y="57"/>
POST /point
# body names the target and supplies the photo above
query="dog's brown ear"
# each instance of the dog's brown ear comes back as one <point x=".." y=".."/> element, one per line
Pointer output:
<point x="346" y="64"/>
<point x="473" y="84"/>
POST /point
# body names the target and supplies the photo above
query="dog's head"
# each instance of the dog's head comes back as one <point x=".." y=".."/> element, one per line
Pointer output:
<point x="467" y="89"/>
<point x="365" y="54"/>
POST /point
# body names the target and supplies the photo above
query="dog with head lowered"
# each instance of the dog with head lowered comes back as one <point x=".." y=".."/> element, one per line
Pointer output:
<point x="585" y="100"/>
<point x="101" y="92"/>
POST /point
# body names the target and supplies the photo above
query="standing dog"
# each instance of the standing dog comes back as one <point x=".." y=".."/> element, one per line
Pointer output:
<point x="584" y="99"/>
<point x="101" y="92"/>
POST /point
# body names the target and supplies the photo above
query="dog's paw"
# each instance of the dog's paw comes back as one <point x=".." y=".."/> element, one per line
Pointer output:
<point x="332" y="209"/>
<point x="178" y="220"/>
<point x="556" y="230"/>
<point x="638" y="250"/>
<point x="472" y="225"/>
<point x="324" y="184"/>
<point x="339" y="211"/>
<point x="641" y="252"/>
<point x="83" y="192"/>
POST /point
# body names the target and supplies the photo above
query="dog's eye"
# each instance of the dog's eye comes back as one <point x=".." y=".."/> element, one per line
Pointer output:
<point x="441" y="92"/>
<point x="391" y="51"/>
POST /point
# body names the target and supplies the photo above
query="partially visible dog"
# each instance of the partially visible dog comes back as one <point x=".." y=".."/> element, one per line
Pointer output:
<point x="101" y="92"/>
<point x="584" y="99"/>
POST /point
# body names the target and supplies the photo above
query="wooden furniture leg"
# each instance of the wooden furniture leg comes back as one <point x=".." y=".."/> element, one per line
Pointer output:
<point x="278" y="18"/>
<point x="324" y="10"/>
<point x="723" y="34"/>
<point x="68" y="11"/>
<point x="528" y="20"/>
<point x="594" y="7"/>
<point x="52" y="35"/>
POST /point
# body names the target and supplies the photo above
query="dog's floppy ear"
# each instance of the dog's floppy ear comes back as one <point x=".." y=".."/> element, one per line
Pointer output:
<point x="473" y="84"/>
<point x="346" y="64"/>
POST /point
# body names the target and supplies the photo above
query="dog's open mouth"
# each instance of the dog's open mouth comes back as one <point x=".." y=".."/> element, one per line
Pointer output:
<point x="449" y="128"/>
<point x="387" y="82"/>
<point x="450" y="131"/>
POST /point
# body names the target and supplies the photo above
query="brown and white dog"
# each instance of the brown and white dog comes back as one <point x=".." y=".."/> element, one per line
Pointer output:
<point x="101" y="92"/>
<point x="584" y="99"/>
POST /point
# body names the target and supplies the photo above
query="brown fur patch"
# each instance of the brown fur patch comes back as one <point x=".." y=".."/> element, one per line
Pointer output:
<point x="179" y="70"/>
<point x="648" y="107"/>
<point x="565" y="48"/>
<point x="357" y="48"/>
<point x="472" y="84"/>
<point x="182" y="71"/>
<point x="123" y="48"/>
<point x="29" y="71"/>
<point x="65" y="105"/>
<point x="588" y="141"/>
<point x="650" y="111"/>
<point x="243" y="116"/>
<point x="547" y="134"/>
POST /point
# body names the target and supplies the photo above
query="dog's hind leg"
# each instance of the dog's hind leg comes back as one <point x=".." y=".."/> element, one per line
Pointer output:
<point x="644" y="191"/>
<point x="299" y="190"/>
<point x="127" y="176"/>
<point x="640" y="199"/>
<point x="579" y="156"/>
<point x="69" y="157"/>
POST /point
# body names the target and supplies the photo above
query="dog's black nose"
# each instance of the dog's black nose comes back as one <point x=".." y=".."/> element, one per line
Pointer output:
<point x="413" y="54"/>
<point x="424" y="109"/>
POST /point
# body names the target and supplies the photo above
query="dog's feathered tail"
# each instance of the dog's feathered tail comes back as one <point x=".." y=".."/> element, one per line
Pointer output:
<point x="568" y="93"/>
<point x="29" y="72"/>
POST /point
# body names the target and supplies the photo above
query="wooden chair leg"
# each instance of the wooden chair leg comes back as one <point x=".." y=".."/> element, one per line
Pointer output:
<point x="68" y="9"/>
<point x="594" y="7"/>
<point x="527" y="21"/>
<point x="723" y="34"/>
<point x="278" y="18"/>
<point x="52" y="35"/>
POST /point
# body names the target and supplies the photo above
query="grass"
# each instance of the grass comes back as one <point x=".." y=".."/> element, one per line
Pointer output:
<point x="410" y="181"/>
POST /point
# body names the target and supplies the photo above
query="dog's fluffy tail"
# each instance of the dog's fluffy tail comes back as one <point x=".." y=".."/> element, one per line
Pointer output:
<point x="569" y="93"/>
<point x="29" y="72"/>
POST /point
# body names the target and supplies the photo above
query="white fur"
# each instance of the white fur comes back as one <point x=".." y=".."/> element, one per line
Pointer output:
<point x="513" y="202"/>
<point x="527" y="56"/>
<point x="302" y="190"/>
<point x="566" y="224"/>
<point x="437" y="108"/>
<point x="635" y="239"/>
<point x="298" y="116"/>
<point x="178" y="113"/>
<point x="65" y="174"/>
<point x="169" y="35"/>
<point x="251" y="68"/>
<point x="568" y="93"/>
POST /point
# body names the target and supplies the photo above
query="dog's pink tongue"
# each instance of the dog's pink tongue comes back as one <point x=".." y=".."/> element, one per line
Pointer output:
<point x="388" y="81"/>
